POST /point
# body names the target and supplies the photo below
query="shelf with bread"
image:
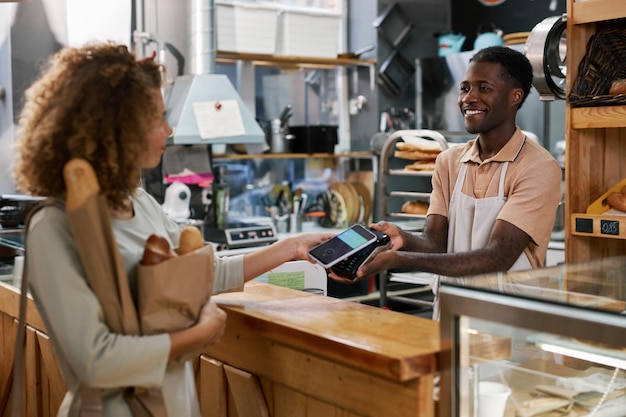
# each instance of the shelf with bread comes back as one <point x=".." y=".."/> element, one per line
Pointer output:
<point x="407" y="163"/>
<point x="595" y="127"/>
<point x="353" y="155"/>
<point x="605" y="217"/>
<point x="408" y="153"/>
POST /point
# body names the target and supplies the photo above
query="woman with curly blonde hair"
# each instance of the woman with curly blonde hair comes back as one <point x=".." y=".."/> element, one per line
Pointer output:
<point x="99" y="103"/>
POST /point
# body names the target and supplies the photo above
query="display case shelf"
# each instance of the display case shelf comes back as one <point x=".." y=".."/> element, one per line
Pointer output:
<point x="566" y="327"/>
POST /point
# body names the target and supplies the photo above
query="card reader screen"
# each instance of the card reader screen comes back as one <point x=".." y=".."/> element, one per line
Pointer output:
<point x="342" y="245"/>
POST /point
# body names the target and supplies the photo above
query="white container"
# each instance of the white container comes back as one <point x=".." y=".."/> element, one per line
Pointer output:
<point x="307" y="34"/>
<point x="246" y="28"/>
<point x="492" y="398"/>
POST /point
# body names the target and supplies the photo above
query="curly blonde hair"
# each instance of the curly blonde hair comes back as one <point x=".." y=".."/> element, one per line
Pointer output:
<point x="94" y="102"/>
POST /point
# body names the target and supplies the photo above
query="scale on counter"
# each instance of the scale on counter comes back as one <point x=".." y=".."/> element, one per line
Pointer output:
<point x="239" y="234"/>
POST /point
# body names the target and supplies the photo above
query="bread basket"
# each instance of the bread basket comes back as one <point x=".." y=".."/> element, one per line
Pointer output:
<point x="604" y="62"/>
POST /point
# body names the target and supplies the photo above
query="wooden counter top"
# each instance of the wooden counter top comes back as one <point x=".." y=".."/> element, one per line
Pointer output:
<point x="393" y="345"/>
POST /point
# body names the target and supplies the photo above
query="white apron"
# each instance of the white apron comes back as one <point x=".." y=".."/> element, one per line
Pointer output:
<point x="470" y="221"/>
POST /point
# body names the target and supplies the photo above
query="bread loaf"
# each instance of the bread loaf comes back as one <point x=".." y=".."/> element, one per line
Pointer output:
<point x="157" y="250"/>
<point x="418" y="149"/>
<point x="618" y="87"/>
<point x="421" y="166"/>
<point x="415" y="207"/>
<point x="617" y="200"/>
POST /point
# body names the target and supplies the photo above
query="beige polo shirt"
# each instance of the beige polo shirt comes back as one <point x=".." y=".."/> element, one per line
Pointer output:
<point x="532" y="186"/>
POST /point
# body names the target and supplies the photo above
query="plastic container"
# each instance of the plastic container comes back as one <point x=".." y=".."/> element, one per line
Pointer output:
<point x="313" y="139"/>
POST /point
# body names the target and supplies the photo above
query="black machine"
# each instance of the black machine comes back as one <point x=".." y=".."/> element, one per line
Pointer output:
<point x="347" y="268"/>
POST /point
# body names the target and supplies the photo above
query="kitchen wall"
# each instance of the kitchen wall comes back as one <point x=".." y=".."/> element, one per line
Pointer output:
<point x="431" y="17"/>
<point x="29" y="32"/>
<point x="37" y="28"/>
<point x="6" y="107"/>
<point x="32" y="31"/>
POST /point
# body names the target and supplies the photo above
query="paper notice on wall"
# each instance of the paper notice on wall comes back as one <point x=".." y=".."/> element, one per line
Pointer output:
<point x="218" y="119"/>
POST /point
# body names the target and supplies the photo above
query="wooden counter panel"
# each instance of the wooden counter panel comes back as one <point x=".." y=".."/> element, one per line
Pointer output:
<point x="10" y="303"/>
<point x="394" y="345"/>
<point x="305" y="370"/>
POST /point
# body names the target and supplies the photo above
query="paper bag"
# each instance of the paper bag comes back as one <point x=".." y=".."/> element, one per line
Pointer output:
<point x="171" y="293"/>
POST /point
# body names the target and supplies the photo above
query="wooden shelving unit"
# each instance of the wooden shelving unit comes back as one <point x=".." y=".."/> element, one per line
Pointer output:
<point x="353" y="155"/>
<point x="596" y="144"/>
<point x="293" y="61"/>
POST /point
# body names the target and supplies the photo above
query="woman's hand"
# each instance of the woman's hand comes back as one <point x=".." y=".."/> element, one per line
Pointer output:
<point x="208" y="330"/>
<point x="306" y="241"/>
<point x="212" y="320"/>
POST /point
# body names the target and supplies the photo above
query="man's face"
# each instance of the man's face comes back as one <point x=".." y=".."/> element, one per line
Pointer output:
<point x="485" y="99"/>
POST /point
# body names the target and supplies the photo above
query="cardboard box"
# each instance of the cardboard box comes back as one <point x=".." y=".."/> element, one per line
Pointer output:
<point x="309" y="34"/>
<point x="246" y="28"/>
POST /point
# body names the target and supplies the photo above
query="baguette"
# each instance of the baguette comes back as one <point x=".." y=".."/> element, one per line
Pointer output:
<point x="80" y="182"/>
<point x="190" y="240"/>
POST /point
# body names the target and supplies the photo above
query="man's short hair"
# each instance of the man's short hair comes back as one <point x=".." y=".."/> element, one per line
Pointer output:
<point x="516" y="68"/>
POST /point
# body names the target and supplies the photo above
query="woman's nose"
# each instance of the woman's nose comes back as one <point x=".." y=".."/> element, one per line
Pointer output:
<point x="169" y="130"/>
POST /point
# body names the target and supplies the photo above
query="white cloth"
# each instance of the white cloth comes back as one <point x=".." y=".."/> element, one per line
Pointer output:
<point x="470" y="222"/>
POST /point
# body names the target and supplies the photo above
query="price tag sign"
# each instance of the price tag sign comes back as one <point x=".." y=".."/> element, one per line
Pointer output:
<point x="609" y="227"/>
<point x="584" y="225"/>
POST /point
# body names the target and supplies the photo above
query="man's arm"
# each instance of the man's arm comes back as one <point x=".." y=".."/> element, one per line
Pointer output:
<point x="424" y="253"/>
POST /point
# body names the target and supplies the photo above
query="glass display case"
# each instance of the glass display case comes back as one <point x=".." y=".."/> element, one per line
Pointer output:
<point x="546" y="342"/>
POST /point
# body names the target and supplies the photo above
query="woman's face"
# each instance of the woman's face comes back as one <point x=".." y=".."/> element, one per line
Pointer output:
<point x="157" y="136"/>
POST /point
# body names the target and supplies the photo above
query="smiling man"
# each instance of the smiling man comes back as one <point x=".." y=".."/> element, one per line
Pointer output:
<point x="494" y="199"/>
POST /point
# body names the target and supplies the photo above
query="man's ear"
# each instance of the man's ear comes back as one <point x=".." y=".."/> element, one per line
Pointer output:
<point x="517" y="96"/>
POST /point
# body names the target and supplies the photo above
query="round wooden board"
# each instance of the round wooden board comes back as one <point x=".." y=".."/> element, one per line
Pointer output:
<point x="365" y="200"/>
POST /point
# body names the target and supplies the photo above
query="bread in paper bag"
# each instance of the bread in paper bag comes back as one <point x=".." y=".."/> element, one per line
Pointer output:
<point x="171" y="293"/>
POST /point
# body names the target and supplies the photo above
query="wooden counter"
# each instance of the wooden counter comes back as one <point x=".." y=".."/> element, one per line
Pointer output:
<point x="285" y="353"/>
<point x="321" y="356"/>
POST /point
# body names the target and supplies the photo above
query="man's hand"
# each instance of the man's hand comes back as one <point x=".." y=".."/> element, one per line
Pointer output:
<point x="391" y="230"/>
<point x="377" y="263"/>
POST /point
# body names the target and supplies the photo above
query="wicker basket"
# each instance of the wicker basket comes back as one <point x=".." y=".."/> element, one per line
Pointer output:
<point x="604" y="62"/>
